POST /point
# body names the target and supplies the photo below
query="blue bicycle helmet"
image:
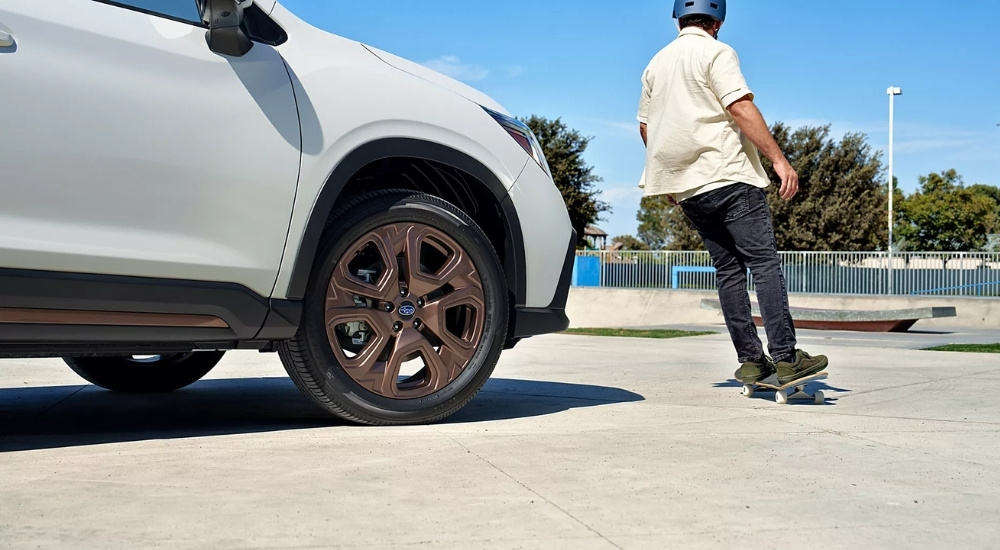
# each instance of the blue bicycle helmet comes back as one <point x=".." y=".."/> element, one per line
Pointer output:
<point x="711" y="8"/>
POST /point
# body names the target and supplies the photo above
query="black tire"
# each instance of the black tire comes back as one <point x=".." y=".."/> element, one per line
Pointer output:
<point x="156" y="374"/>
<point x="310" y="358"/>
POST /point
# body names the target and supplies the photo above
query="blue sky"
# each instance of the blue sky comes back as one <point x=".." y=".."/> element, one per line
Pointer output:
<point x="808" y="61"/>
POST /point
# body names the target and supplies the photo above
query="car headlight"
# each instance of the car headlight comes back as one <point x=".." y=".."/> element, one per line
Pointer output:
<point x="524" y="137"/>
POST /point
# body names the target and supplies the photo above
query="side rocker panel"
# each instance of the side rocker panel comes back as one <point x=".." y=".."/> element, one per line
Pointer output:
<point x="49" y="307"/>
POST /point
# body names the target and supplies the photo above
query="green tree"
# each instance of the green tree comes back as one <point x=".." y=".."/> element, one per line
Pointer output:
<point x="842" y="203"/>
<point x="564" y="148"/>
<point x="663" y="226"/>
<point x="946" y="216"/>
<point x="629" y="242"/>
<point x="988" y="190"/>
<point x="993" y="193"/>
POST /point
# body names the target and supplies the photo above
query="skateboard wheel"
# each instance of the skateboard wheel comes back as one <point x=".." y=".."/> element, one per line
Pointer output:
<point x="747" y="391"/>
<point x="781" y="397"/>
<point x="820" y="398"/>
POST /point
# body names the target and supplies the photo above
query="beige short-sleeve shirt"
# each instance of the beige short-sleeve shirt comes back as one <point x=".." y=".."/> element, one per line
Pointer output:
<point x="693" y="143"/>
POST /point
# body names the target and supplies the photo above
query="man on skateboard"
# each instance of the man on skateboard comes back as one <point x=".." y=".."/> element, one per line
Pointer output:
<point x="702" y="132"/>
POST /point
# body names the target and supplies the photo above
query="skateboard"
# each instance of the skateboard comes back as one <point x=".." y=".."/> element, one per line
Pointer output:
<point x="782" y="393"/>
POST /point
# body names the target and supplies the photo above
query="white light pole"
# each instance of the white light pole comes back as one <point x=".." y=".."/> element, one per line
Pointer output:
<point x="893" y="92"/>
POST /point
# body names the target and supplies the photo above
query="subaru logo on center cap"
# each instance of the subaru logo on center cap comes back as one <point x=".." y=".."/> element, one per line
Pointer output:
<point x="407" y="310"/>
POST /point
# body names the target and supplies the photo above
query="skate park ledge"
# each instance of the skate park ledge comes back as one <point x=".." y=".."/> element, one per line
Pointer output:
<point x="624" y="308"/>
<point x="860" y="320"/>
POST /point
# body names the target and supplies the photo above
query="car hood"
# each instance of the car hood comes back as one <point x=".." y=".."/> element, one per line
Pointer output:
<point x="434" y="77"/>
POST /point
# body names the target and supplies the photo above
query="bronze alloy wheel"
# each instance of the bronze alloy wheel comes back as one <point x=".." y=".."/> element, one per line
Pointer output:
<point x="405" y="315"/>
<point x="405" y="292"/>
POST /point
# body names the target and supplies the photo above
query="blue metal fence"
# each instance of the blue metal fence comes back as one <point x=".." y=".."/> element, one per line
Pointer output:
<point x="872" y="273"/>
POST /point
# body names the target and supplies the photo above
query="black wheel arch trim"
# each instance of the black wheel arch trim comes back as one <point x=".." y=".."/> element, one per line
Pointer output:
<point x="527" y="322"/>
<point x="380" y="149"/>
<point x="282" y="321"/>
<point x="537" y="321"/>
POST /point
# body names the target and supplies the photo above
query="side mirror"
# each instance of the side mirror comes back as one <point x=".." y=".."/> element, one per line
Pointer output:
<point x="224" y="17"/>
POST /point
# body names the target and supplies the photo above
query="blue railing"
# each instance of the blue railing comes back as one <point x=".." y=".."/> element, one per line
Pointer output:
<point x="981" y="289"/>
<point x="865" y="273"/>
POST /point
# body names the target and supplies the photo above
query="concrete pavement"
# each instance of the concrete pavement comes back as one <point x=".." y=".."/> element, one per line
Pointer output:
<point x="577" y="442"/>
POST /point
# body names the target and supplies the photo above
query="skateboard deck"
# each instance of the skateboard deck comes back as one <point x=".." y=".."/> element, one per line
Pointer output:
<point x="784" y="393"/>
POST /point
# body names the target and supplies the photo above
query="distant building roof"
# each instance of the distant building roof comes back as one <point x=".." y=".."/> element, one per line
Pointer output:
<point x="594" y="231"/>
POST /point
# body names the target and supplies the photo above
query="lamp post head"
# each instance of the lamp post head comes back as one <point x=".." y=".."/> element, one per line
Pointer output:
<point x="895" y="91"/>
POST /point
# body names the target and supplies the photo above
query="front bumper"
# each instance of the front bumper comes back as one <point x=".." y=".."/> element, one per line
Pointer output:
<point x="530" y="321"/>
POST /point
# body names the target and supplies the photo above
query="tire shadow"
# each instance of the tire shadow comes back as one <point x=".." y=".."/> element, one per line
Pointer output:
<point x="34" y="418"/>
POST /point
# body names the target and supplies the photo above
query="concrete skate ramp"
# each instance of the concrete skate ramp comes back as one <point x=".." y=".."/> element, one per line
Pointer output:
<point x="895" y="320"/>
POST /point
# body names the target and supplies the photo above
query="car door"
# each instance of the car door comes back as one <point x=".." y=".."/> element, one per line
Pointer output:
<point x="127" y="147"/>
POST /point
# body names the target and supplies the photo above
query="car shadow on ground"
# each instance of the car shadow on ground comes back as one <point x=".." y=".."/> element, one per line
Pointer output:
<point x="34" y="418"/>
<point x="504" y="399"/>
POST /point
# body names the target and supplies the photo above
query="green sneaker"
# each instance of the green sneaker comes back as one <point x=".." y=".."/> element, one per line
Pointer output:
<point x="756" y="371"/>
<point x="803" y="366"/>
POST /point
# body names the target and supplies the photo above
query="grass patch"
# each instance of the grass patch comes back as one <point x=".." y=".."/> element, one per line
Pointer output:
<point x="626" y="333"/>
<point x="969" y="348"/>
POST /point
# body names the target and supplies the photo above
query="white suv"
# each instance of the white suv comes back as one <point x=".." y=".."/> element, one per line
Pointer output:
<point x="184" y="177"/>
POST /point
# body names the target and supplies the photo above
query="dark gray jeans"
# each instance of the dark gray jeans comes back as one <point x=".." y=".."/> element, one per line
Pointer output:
<point x="735" y="224"/>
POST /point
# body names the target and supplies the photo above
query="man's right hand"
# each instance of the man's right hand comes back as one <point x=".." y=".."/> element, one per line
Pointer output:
<point x="789" y="179"/>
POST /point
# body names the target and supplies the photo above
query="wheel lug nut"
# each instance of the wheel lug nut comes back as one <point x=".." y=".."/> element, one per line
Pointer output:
<point x="397" y="326"/>
<point x="417" y="324"/>
<point x="387" y="307"/>
<point x="402" y="292"/>
<point x="420" y="302"/>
